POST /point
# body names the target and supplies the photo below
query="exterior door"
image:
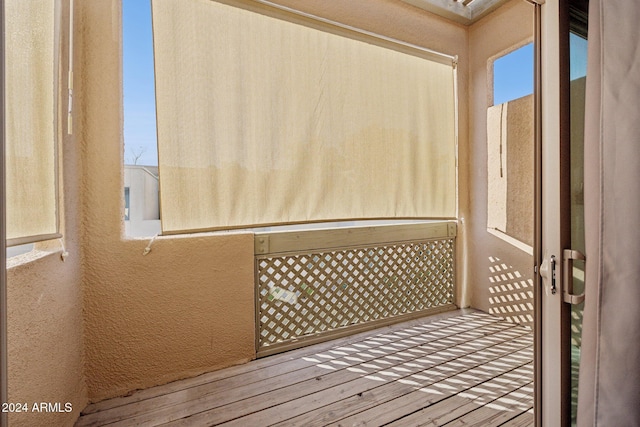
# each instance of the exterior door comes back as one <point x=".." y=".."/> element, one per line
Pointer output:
<point x="561" y="266"/>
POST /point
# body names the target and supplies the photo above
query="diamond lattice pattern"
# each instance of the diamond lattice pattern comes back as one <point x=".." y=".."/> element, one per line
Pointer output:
<point x="317" y="293"/>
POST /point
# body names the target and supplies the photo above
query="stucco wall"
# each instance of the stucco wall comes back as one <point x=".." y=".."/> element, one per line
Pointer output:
<point x="45" y="338"/>
<point x="510" y="168"/>
<point x="500" y="273"/>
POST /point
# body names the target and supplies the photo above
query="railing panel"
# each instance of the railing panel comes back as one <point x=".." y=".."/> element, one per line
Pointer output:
<point x="313" y="295"/>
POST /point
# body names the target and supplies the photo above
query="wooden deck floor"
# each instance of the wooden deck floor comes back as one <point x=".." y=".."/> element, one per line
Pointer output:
<point x="454" y="369"/>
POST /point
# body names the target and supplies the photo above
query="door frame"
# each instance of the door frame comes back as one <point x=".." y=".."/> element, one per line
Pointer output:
<point x="549" y="316"/>
<point x="537" y="227"/>
<point x="553" y="220"/>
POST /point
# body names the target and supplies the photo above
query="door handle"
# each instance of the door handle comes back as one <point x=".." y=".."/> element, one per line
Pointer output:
<point x="568" y="255"/>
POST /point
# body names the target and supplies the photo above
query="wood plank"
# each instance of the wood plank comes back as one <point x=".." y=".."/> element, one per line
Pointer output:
<point x="390" y="411"/>
<point x="357" y="404"/>
<point x="400" y="371"/>
<point x="272" y="378"/>
<point x="263" y="395"/>
<point x="255" y="365"/>
<point x="268" y="378"/>
<point x="499" y="411"/>
<point x="523" y="420"/>
<point x="465" y="401"/>
<point x="278" y="409"/>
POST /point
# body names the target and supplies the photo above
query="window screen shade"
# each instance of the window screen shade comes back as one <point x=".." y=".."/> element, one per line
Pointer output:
<point x="30" y="135"/>
<point x="263" y="121"/>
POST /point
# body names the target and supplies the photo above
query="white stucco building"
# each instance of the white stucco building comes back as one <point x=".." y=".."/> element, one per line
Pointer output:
<point x="141" y="201"/>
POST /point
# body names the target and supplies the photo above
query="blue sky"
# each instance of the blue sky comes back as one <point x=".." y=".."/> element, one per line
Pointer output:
<point x="513" y="75"/>
<point x="513" y="78"/>
<point x="139" y="91"/>
<point x="578" y="53"/>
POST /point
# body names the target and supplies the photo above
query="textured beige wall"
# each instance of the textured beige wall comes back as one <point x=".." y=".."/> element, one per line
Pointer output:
<point x="45" y="333"/>
<point x="45" y="338"/>
<point x="185" y="308"/>
<point x="498" y="270"/>
<point x="510" y="168"/>
<point x="520" y="169"/>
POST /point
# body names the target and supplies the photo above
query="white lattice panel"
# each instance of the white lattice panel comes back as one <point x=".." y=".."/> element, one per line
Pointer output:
<point x="311" y="294"/>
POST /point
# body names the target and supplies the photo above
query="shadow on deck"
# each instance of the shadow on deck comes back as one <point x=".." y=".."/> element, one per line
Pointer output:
<point x="458" y="368"/>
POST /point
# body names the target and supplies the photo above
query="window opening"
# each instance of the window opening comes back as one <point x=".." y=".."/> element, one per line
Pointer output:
<point x="140" y="142"/>
<point x="513" y="75"/>
<point x="19" y="250"/>
<point x="508" y="288"/>
<point x="510" y="149"/>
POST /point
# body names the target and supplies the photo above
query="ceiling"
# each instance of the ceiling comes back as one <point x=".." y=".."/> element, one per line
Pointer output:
<point x="463" y="11"/>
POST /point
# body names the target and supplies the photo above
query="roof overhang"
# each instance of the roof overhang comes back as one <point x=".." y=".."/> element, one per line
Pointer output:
<point x="464" y="12"/>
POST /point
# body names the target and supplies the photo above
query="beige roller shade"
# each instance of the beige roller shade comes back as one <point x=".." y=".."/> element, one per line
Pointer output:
<point x="30" y="135"/>
<point x="263" y="121"/>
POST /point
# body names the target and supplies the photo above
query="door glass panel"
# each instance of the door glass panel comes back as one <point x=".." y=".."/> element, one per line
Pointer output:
<point x="578" y="68"/>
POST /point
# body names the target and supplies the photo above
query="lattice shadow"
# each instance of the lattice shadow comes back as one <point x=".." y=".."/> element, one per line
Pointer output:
<point x="511" y="293"/>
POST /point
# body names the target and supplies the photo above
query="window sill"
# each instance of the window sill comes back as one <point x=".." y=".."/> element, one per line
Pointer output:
<point x="30" y="257"/>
